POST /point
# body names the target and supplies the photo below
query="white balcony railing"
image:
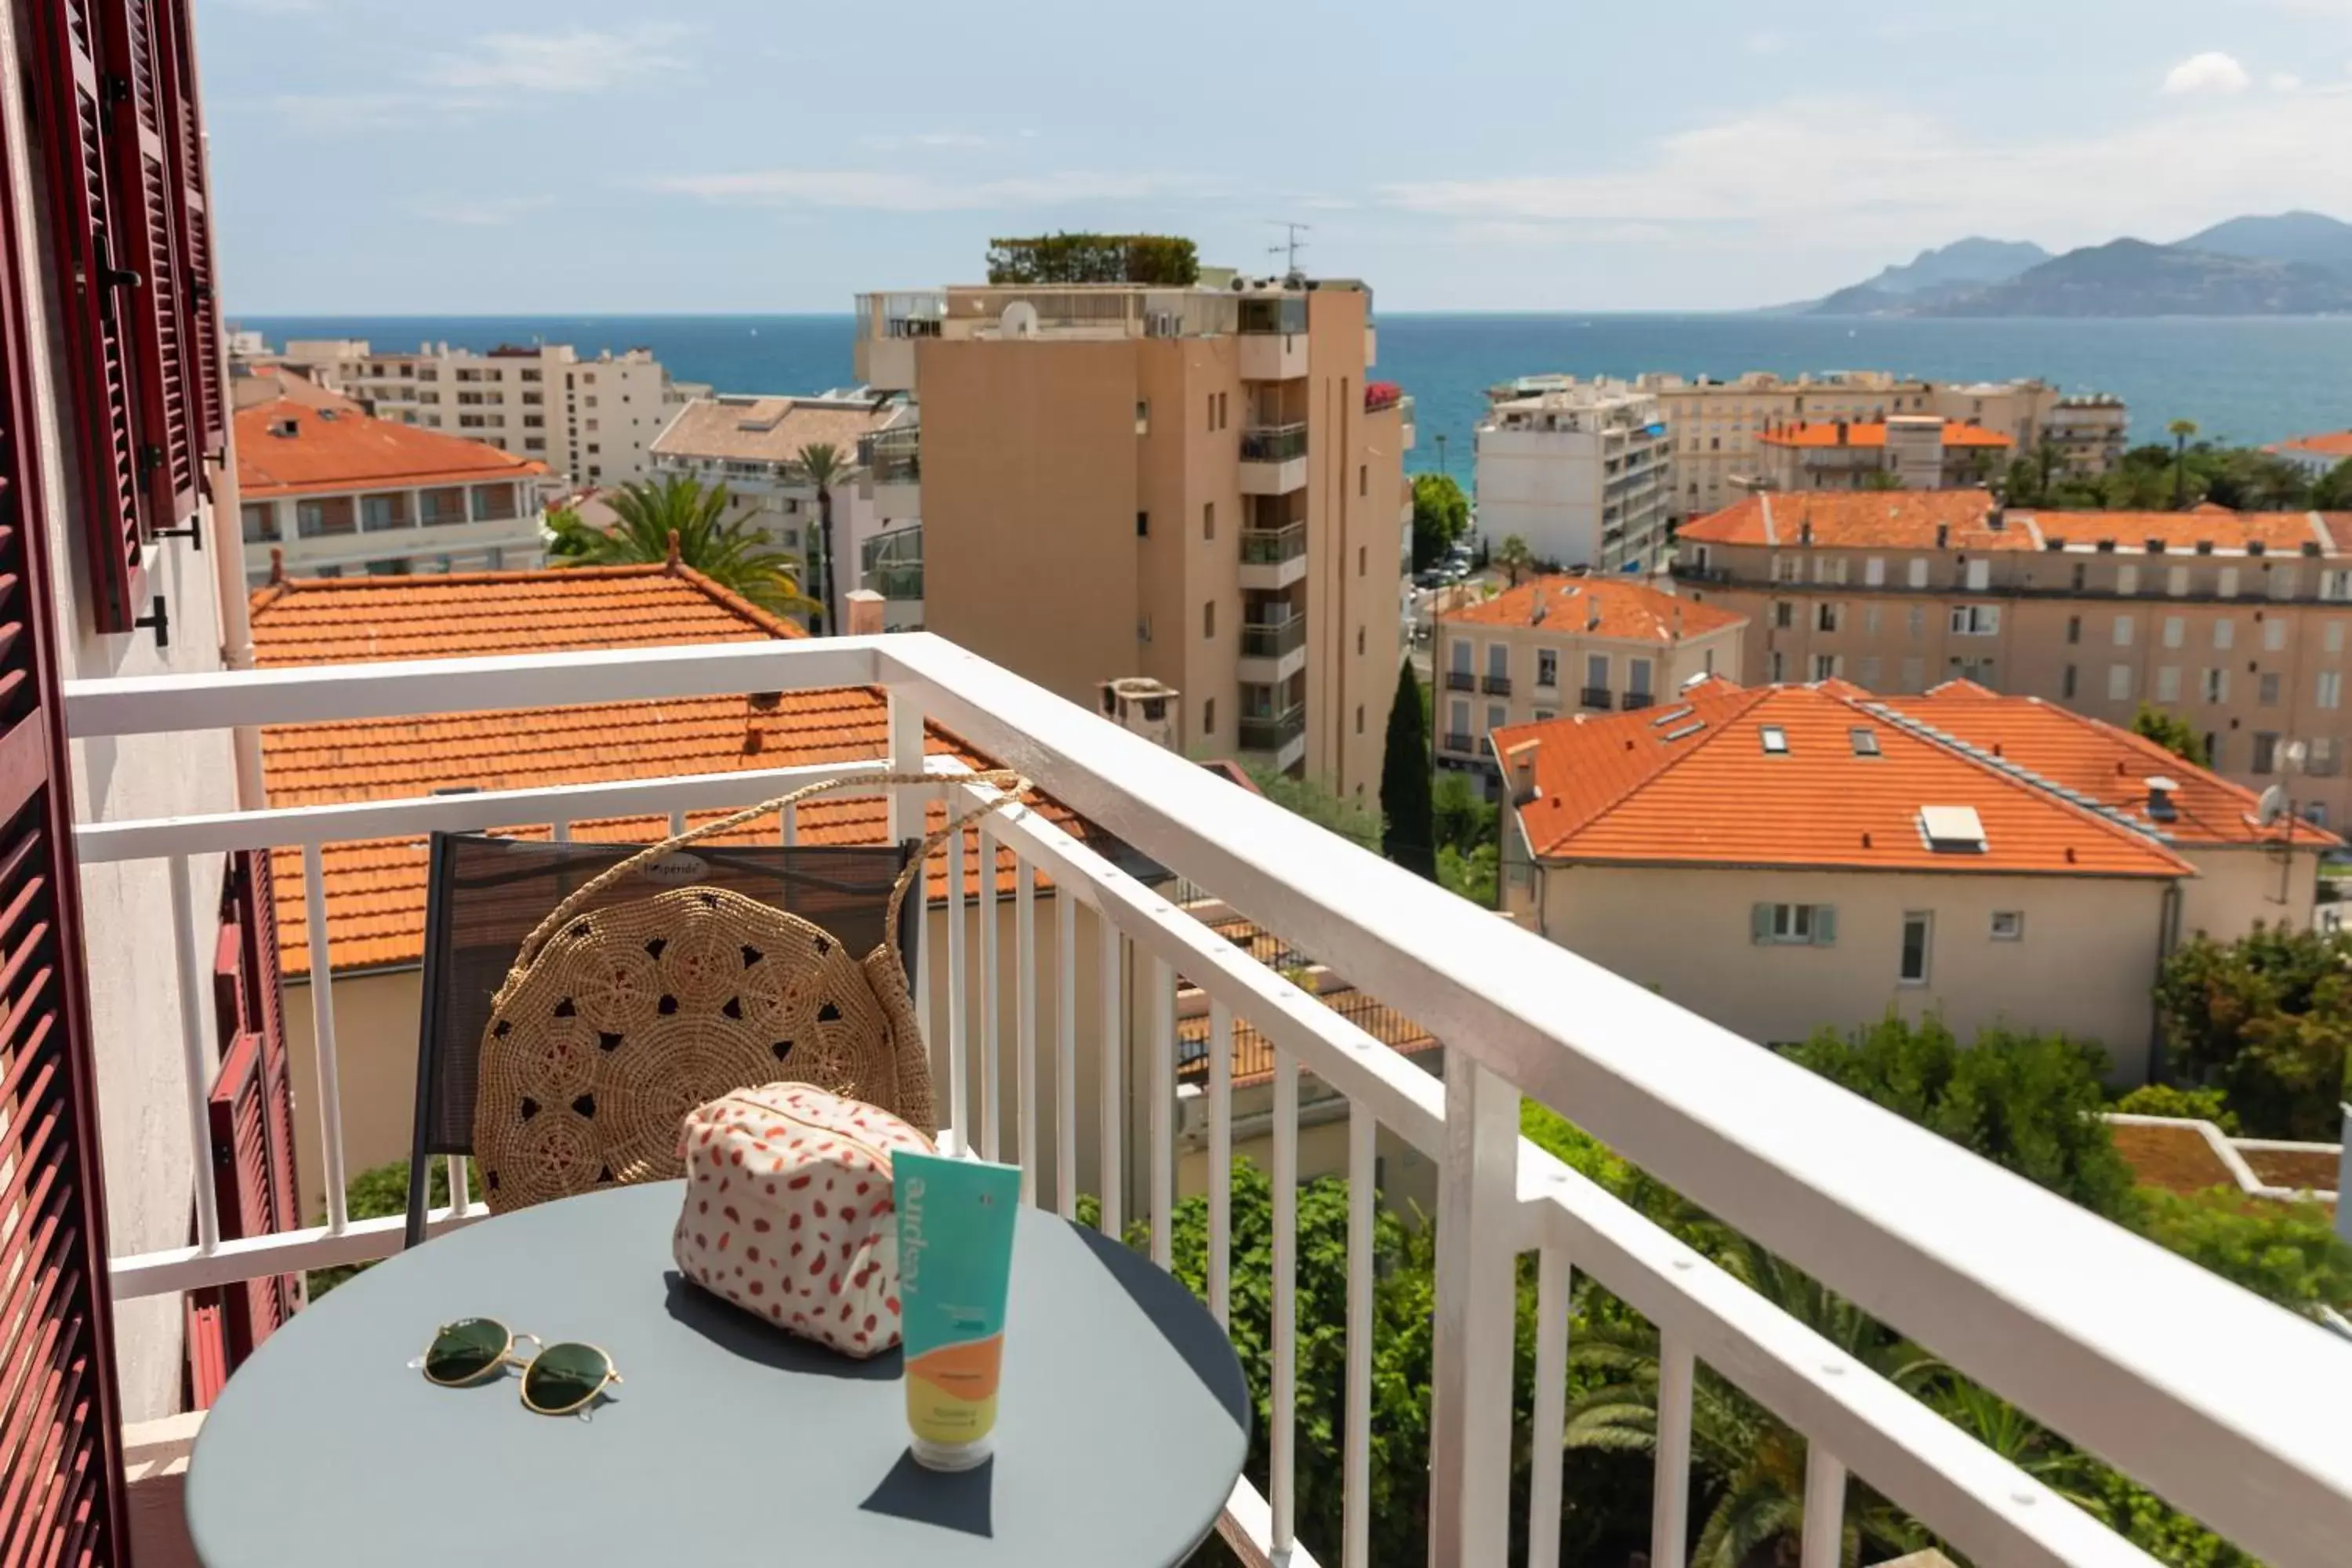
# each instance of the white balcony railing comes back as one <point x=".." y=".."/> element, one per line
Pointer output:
<point x="2222" y="1404"/>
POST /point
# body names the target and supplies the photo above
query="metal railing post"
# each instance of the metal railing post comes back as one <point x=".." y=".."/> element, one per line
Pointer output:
<point x="1470" y="1402"/>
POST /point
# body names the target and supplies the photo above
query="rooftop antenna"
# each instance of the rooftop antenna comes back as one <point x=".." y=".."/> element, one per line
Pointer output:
<point x="1291" y="246"/>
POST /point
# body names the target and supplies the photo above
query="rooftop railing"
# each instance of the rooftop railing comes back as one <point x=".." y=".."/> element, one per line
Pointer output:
<point x="2222" y="1404"/>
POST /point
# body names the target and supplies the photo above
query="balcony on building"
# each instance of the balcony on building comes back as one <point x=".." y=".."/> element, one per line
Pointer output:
<point x="893" y="460"/>
<point x="891" y="564"/>
<point x="1461" y="680"/>
<point x="1495" y="684"/>
<point x="1273" y="328"/>
<point x="1595" y="696"/>
<point x="1272" y="542"/>
<point x="1272" y="646"/>
<point x="1274" y="459"/>
<point x="1274" y="724"/>
<point x="2223" y="1405"/>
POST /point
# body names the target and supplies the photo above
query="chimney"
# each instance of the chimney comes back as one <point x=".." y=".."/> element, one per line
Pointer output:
<point x="1943" y="535"/>
<point x="1841" y="430"/>
<point x="1997" y="519"/>
<point x="1143" y="706"/>
<point x="2160" y="798"/>
<point x="285" y="429"/>
<point x="277" y="565"/>
<point x="1519" y="761"/>
<point x="863" y="617"/>
<point x="1805" y="532"/>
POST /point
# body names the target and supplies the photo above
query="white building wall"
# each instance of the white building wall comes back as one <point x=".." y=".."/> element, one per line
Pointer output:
<point x="135" y="990"/>
<point x="1545" y="487"/>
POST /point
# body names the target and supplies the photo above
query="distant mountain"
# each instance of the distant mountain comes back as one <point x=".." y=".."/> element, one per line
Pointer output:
<point x="2293" y="264"/>
<point x="2133" y="278"/>
<point x="2314" y="240"/>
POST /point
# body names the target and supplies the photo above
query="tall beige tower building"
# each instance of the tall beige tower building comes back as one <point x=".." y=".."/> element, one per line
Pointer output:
<point x="1198" y="486"/>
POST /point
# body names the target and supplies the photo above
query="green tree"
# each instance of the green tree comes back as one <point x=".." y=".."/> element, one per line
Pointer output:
<point x="2180" y="430"/>
<point x="1880" y="479"/>
<point x="2244" y="478"/>
<point x="1407" y="836"/>
<point x="1514" y="557"/>
<point x="566" y="524"/>
<point x="2268" y="1020"/>
<point x="679" y="514"/>
<point x="1320" y="805"/>
<point x="2332" y="491"/>
<point x="2289" y="1253"/>
<point x="821" y="461"/>
<point x="2171" y="732"/>
<point x="381" y="1192"/>
<point x="1463" y="818"/>
<point x="2029" y="1102"/>
<point x="2191" y="1104"/>
<point x="1440" y="514"/>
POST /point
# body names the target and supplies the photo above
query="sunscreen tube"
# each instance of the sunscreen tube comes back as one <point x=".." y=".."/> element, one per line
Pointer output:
<point x="955" y="1267"/>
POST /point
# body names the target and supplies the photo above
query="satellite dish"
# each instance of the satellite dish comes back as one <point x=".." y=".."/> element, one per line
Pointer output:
<point x="2274" y="800"/>
<point x="1020" y="319"/>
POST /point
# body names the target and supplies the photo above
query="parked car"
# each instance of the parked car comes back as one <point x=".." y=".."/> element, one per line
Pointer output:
<point x="1433" y="577"/>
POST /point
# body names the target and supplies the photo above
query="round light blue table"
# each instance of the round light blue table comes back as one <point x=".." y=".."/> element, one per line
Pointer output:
<point x="1123" y="1419"/>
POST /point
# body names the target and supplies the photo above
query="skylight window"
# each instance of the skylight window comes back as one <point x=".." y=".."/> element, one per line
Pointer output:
<point x="1865" y="741"/>
<point x="1776" y="740"/>
<point x="1954" y="829"/>
<point x="1670" y="715"/>
<point x="1686" y="731"/>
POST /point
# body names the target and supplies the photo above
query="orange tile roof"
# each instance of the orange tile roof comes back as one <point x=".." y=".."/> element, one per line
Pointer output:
<point x="1632" y="611"/>
<point x="332" y="451"/>
<point x="1693" y="785"/>
<point x="1909" y="520"/>
<point x="2334" y="444"/>
<point x="376" y="889"/>
<point x="1253" y="1053"/>
<point x="2109" y="764"/>
<point x="768" y="430"/>
<point x="1811" y="433"/>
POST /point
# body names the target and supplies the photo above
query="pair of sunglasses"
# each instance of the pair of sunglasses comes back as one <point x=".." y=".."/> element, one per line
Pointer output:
<point x="557" y="1380"/>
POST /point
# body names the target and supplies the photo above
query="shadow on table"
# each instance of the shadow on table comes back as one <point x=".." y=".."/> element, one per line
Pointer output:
<point x="953" y="1500"/>
<point x="1190" y="1332"/>
<point x="738" y="1333"/>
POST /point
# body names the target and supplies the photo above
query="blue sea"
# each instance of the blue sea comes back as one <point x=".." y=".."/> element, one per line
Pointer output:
<point x="2241" y="380"/>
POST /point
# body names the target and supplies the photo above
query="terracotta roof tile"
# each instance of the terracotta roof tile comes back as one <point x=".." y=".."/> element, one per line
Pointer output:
<point x="1909" y="520"/>
<point x="1632" y="611"/>
<point x="2334" y="444"/>
<point x="375" y="891"/>
<point x="1811" y="433"/>
<point x="1695" y="784"/>
<point x="330" y="451"/>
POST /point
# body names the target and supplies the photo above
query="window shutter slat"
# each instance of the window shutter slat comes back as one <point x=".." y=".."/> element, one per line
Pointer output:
<point x="209" y="394"/>
<point x="141" y="138"/>
<point x="61" y="1447"/>
<point x="91" y="261"/>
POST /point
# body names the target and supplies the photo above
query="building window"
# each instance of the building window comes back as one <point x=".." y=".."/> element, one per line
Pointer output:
<point x="2324" y="757"/>
<point x="2213" y="752"/>
<point x="1360" y="718"/>
<point x="1784" y="613"/>
<point x="1361" y="558"/>
<point x="2336" y="585"/>
<point x="1870" y="620"/>
<point x="1976" y="620"/>
<point x="1915" y="621"/>
<point x="2265" y="757"/>
<point x="2066" y="684"/>
<point x="1920" y="571"/>
<point x="1457" y="728"/>
<point x="1825" y="617"/>
<point x="1867" y="674"/>
<point x="2274" y="635"/>
<point x="1979" y="576"/>
<point x="1363" y="478"/>
<point x="2217" y="685"/>
<point x="1793" y="925"/>
<point x="1143" y="417"/>
<point x="1221" y="411"/>
<point x="2176" y="582"/>
<point x="1209" y="521"/>
<point x="1210" y="406"/>
<point x="2331" y="637"/>
<point x="1142" y="525"/>
<point x="2167" y="683"/>
<point x="2266" y="689"/>
<point x="2127" y="579"/>
<point x="1547" y="665"/>
<point x="1497" y="717"/>
<point x="2073" y="628"/>
<point x="1825" y="666"/>
<point x="2174" y="631"/>
<point x="2123" y="631"/>
<point x="1779" y="666"/>
<point x="2119" y="683"/>
<point x="1209" y="718"/>
<point x="2009" y="925"/>
<point x="2228" y="586"/>
<point x="2225" y="632"/>
<point x="1914" y="675"/>
<point x="1359" y="642"/>
<point x="2330" y="692"/>
<point x="1596" y="676"/>
<point x="260" y="522"/>
<point x="1917" y="928"/>
<point x="1874" y="571"/>
<point x="1209" y="619"/>
<point x="2283" y="583"/>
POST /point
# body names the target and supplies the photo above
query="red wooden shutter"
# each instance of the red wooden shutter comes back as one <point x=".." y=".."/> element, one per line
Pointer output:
<point x="93" y="269"/>
<point x="208" y="392"/>
<point x="252" y="1109"/>
<point x="143" y="135"/>
<point x="60" y="1421"/>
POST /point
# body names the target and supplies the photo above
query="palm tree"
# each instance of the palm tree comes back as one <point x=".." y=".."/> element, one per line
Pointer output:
<point x="678" y="520"/>
<point x="821" y="461"/>
<point x="2182" y="430"/>
<point x="1514" y="557"/>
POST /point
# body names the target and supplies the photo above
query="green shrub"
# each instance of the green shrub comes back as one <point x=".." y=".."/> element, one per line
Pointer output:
<point x="2190" y="1104"/>
<point x="1157" y="259"/>
<point x="2267" y="1020"/>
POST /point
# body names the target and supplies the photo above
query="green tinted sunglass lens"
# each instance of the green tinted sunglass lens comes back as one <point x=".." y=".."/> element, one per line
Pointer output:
<point x="463" y="1351"/>
<point x="564" y="1378"/>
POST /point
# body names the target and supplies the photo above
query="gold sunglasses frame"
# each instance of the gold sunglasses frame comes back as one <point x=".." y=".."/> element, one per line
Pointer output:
<point x="507" y="1358"/>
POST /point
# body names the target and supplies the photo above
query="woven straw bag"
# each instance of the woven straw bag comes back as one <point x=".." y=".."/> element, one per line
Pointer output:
<point x="614" y="1024"/>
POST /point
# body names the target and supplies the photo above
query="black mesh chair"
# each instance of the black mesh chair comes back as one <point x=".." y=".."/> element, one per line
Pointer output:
<point x="485" y="895"/>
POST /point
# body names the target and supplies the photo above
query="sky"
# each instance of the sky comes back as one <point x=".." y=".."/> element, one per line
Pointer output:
<point x="511" y="156"/>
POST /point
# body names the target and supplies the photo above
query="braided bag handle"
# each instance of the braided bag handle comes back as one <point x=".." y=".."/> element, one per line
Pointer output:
<point x="1007" y="783"/>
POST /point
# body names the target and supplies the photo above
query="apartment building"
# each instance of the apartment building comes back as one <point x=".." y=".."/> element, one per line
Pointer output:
<point x="1193" y="485"/>
<point x="1783" y="859"/>
<point x="1905" y="451"/>
<point x="591" y="419"/>
<point x="1558" y="644"/>
<point x="1715" y="427"/>
<point x="327" y="491"/>
<point x="2317" y="456"/>
<point x="1580" y="471"/>
<point x="754" y="446"/>
<point x="2238" y="622"/>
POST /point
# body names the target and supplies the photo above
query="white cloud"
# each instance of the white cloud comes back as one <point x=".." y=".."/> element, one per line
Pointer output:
<point x="578" y="61"/>
<point x="2284" y="82"/>
<point x="479" y="212"/>
<point x="1859" y="174"/>
<point x="884" y="191"/>
<point x="2211" y="72"/>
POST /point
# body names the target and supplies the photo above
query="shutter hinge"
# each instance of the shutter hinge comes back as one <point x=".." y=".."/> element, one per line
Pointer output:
<point x="109" y="276"/>
<point x="151" y="458"/>
<point x="113" y="88"/>
<point x="193" y="532"/>
<point x="160" y="618"/>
